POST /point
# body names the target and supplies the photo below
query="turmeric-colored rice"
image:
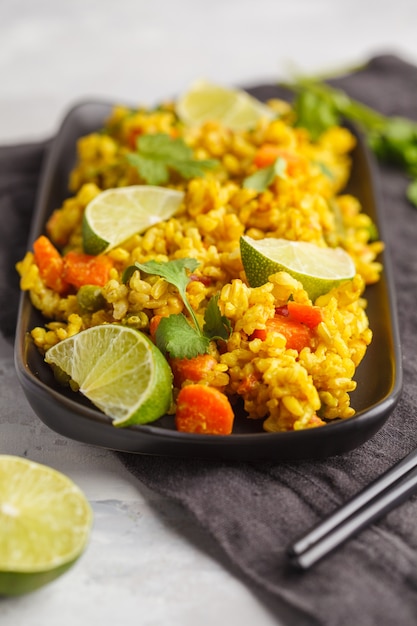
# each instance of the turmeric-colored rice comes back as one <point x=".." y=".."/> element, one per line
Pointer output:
<point x="286" y="388"/>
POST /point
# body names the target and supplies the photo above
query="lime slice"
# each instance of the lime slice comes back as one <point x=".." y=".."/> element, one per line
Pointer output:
<point x="234" y="108"/>
<point x="45" y="524"/>
<point x="119" y="370"/>
<point x="116" y="214"/>
<point x="318" y="269"/>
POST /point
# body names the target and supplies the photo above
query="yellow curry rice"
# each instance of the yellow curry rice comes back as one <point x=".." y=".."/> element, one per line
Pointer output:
<point x="288" y="389"/>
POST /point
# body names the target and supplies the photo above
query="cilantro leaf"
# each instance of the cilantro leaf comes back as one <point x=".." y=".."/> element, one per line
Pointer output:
<point x="260" y="180"/>
<point x="175" y="335"/>
<point x="178" y="338"/>
<point x="162" y="146"/>
<point x="193" y="168"/>
<point x="174" y="273"/>
<point x="153" y="171"/>
<point x="158" y="153"/>
<point x="216" y="325"/>
<point x="315" y="112"/>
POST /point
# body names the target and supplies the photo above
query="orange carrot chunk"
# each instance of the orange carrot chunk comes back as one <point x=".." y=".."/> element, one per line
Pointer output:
<point x="307" y="314"/>
<point x="84" y="269"/>
<point x="50" y="264"/>
<point x="268" y="153"/>
<point x="153" y="325"/>
<point x="195" y="369"/>
<point x="297" y="335"/>
<point x="204" y="410"/>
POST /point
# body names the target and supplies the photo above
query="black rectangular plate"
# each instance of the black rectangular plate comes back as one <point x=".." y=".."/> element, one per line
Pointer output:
<point x="379" y="377"/>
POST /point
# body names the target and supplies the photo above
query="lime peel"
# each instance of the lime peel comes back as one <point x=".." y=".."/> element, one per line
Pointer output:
<point x="319" y="269"/>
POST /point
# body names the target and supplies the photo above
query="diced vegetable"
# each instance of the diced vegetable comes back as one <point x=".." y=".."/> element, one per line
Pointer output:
<point x="194" y="369"/>
<point x="90" y="298"/>
<point x="153" y="325"/>
<point x="297" y="335"/>
<point x="84" y="269"/>
<point x="74" y="269"/>
<point x="50" y="264"/>
<point x="268" y="153"/>
<point x="309" y="315"/>
<point x="204" y="410"/>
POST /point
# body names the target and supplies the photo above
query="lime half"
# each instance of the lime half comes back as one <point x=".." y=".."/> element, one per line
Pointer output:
<point x="119" y="370"/>
<point x="116" y="214"/>
<point x="45" y="524"/>
<point x="319" y="269"/>
<point x="236" y="109"/>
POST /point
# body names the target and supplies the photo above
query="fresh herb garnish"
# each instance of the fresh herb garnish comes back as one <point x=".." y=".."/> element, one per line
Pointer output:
<point x="216" y="325"/>
<point x="175" y="274"/>
<point x="325" y="170"/>
<point x="260" y="180"/>
<point x="157" y="154"/>
<point x="315" y="113"/>
<point x="175" y="335"/>
<point x="318" y="106"/>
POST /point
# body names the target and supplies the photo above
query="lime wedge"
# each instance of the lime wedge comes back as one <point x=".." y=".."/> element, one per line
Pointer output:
<point x="45" y="524"/>
<point x="319" y="269"/>
<point x="236" y="109"/>
<point x="119" y="370"/>
<point x="116" y="214"/>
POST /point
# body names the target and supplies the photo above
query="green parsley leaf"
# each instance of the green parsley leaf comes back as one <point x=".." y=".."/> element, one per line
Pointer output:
<point x="178" y="338"/>
<point x="152" y="171"/>
<point x="193" y="168"/>
<point x="216" y="325"/>
<point x="175" y="335"/>
<point x="158" y="153"/>
<point x="315" y="112"/>
<point x="397" y="143"/>
<point x="260" y="180"/>
<point x="174" y="273"/>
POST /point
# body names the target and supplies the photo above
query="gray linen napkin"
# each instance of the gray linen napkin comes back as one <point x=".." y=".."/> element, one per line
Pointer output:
<point x="253" y="511"/>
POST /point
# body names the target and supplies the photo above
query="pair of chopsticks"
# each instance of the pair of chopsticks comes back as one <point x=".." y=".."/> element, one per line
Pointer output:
<point x="381" y="496"/>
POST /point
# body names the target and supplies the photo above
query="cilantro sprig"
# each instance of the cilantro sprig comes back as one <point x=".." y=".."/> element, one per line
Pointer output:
<point x="157" y="154"/>
<point x="175" y="335"/>
<point x="318" y="106"/>
<point x="260" y="180"/>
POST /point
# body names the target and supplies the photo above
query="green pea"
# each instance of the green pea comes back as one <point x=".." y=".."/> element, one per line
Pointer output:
<point x="90" y="298"/>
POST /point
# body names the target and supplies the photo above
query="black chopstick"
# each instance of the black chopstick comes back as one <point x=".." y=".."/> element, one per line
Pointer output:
<point x="381" y="496"/>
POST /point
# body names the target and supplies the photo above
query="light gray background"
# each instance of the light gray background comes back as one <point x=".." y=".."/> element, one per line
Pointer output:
<point x="147" y="563"/>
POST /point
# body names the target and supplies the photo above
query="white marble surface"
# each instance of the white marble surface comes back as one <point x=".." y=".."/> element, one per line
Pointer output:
<point x="147" y="562"/>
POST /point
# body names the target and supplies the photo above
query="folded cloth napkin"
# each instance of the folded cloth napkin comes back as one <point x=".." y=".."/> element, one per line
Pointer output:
<point x="255" y="510"/>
